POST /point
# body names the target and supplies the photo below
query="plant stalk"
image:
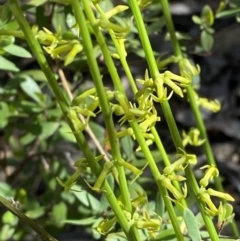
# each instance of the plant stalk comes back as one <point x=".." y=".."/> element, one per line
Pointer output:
<point x="193" y="103"/>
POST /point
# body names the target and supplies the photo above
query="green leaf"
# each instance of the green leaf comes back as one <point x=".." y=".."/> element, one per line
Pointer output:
<point x="36" y="2"/>
<point x="6" y="40"/>
<point x="5" y="14"/>
<point x="9" y="218"/>
<point x="31" y="132"/>
<point x="7" y="65"/>
<point x="27" y="107"/>
<point x="84" y="222"/>
<point x="48" y="129"/>
<point x="116" y="237"/>
<point x="31" y="88"/>
<point x="228" y="13"/>
<point x="17" y="51"/>
<point x="93" y="202"/>
<point x="88" y="200"/>
<point x="4" y="114"/>
<point x="168" y="234"/>
<point x="6" y="232"/>
<point x="207" y="15"/>
<point x="98" y="130"/>
<point x="6" y="190"/>
<point x="206" y="40"/>
<point x="82" y="197"/>
<point x="127" y="146"/>
<point x="228" y="239"/>
<point x="196" y="20"/>
<point x="36" y="74"/>
<point x="160" y="205"/>
<point x="58" y="214"/>
<point x="66" y="132"/>
<point x="35" y="213"/>
<point x="192" y="225"/>
<point x="12" y="25"/>
<point x="27" y="139"/>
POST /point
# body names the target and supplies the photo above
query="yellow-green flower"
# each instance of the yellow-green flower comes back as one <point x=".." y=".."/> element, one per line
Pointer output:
<point x="210" y="173"/>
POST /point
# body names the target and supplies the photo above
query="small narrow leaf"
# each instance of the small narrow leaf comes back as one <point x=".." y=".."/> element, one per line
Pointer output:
<point x="160" y="206"/>
<point x="196" y="20"/>
<point x="36" y="74"/>
<point x="48" y="129"/>
<point x="192" y="225"/>
<point x="35" y="213"/>
<point x="93" y="202"/>
<point x="66" y="132"/>
<point x="207" y="15"/>
<point x="58" y="214"/>
<point x="31" y="88"/>
<point x="4" y="114"/>
<point x="84" y="222"/>
<point x="127" y="146"/>
<point x="228" y="13"/>
<point x="7" y="65"/>
<point x="17" y="51"/>
<point x="206" y="40"/>
<point x="168" y="234"/>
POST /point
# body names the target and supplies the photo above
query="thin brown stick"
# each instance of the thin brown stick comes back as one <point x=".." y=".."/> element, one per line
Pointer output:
<point x="87" y="129"/>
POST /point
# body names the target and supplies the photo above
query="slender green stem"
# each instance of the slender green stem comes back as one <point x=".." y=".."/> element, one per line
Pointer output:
<point x="172" y="125"/>
<point x="88" y="48"/>
<point x="193" y="103"/>
<point x="127" y="229"/>
<point x="122" y="57"/>
<point x="157" y="176"/>
<point x="129" y="75"/>
<point x="102" y="43"/>
<point x="14" y="33"/>
<point x="143" y="35"/>
<point x="42" y="233"/>
<point x="117" y="82"/>
<point x="37" y="51"/>
<point x="167" y="110"/>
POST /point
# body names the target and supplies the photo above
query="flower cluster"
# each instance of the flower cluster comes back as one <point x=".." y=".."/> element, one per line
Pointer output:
<point x="192" y="138"/>
<point x="139" y="218"/>
<point x="58" y="47"/>
<point x="155" y="87"/>
<point x="205" y="194"/>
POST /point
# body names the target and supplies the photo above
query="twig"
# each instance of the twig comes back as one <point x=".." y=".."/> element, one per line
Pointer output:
<point x="10" y="205"/>
<point x="87" y="129"/>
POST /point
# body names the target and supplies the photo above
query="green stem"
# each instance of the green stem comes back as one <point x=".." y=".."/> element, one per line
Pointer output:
<point x="42" y="233"/>
<point x="157" y="176"/>
<point x="167" y="110"/>
<point x="193" y="103"/>
<point x="117" y="83"/>
<point x="130" y="78"/>
<point x="102" y="43"/>
<point x="127" y="229"/>
<point x="37" y="51"/>
<point x="88" y="48"/>
<point x="104" y="103"/>
<point x="122" y="58"/>
<point x="9" y="32"/>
